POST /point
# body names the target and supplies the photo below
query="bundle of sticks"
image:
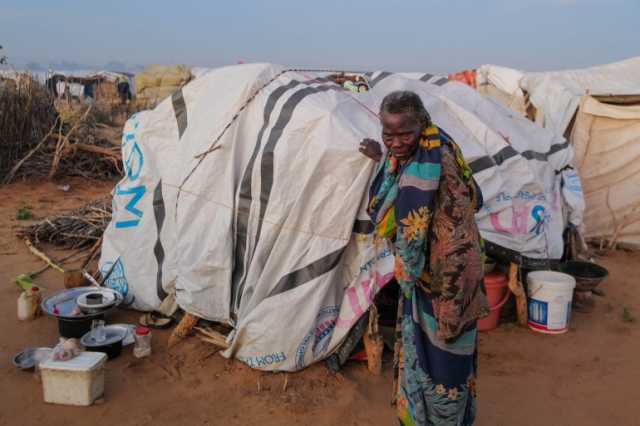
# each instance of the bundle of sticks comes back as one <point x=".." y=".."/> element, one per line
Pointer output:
<point x="97" y="160"/>
<point x="78" y="229"/>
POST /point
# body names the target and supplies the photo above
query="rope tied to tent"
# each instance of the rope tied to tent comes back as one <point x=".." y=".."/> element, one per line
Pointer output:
<point x="215" y="144"/>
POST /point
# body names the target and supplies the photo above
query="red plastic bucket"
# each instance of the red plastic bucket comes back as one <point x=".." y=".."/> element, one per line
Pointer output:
<point x="497" y="295"/>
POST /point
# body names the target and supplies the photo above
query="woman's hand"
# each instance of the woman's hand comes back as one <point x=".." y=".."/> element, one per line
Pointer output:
<point x="371" y="149"/>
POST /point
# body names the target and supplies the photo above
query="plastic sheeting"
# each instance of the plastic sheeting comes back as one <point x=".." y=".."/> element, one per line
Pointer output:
<point x="606" y="139"/>
<point x="557" y="94"/>
<point x="505" y="79"/>
<point x="244" y="195"/>
<point x="503" y="85"/>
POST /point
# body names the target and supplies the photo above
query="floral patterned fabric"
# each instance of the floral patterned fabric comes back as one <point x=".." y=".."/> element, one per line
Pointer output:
<point x="426" y="206"/>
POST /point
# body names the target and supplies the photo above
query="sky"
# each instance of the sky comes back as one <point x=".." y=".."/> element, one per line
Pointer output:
<point x="404" y="35"/>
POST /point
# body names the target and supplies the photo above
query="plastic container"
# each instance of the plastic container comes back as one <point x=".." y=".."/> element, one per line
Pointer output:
<point x="142" y="346"/>
<point x="496" y="285"/>
<point x="79" y="381"/>
<point x="550" y="295"/>
<point x="29" y="304"/>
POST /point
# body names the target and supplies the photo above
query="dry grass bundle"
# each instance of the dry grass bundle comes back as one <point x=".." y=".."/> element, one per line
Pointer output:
<point x="27" y="113"/>
<point x="78" y="229"/>
<point x="72" y="147"/>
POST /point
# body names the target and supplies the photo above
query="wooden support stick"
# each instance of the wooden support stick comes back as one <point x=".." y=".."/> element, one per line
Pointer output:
<point x="183" y="329"/>
<point x="92" y="253"/>
<point x="42" y="256"/>
<point x="213" y="336"/>
<point x="63" y="142"/>
<point x="518" y="291"/>
<point x="373" y="343"/>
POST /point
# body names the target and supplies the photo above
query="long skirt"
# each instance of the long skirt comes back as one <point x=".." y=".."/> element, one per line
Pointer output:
<point x="434" y="380"/>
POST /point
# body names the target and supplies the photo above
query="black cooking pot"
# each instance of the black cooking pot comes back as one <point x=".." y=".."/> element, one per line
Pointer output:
<point x="112" y="345"/>
<point x="111" y="349"/>
<point x="76" y="327"/>
<point x="588" y="275"/>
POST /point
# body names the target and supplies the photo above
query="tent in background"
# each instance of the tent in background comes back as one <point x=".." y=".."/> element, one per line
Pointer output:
<point x="556" y="95"/>
<point x="503" y="85"/>
<point x="599" y="109"/>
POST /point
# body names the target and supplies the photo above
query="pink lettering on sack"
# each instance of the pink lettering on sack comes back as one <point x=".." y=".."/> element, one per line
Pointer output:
<point x="518" y="224"/>
<point x="351" y="295"/>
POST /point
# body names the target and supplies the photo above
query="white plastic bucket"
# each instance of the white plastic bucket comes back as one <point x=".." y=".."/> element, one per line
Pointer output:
<point x="550" y="295"/>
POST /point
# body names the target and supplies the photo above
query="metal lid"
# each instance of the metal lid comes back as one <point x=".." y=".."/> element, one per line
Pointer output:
<point x="109" y="298"/>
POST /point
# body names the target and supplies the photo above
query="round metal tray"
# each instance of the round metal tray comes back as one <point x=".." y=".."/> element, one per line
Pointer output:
<point x="66" y="302"/>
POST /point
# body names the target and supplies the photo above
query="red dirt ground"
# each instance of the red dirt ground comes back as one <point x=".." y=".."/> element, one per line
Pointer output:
<point x="589" y="376"/>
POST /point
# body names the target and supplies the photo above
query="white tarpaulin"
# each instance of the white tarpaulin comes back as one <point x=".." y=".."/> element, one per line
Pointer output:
<point x="503" y="85"/>
<point x="244" y="195"/>
<point x="557" y="94"/>
<point x="505" y="79"/>
<point x="606" y="139"/>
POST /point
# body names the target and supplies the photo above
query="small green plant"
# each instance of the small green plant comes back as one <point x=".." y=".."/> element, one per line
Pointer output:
<point x="627" y="315"/>
<point x="24" y="213"/>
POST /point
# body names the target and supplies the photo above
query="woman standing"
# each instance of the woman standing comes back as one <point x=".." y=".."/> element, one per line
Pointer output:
<point x="423" y="199"/>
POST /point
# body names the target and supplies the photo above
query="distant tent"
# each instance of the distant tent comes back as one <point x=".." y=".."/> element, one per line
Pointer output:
<point x="96" y="84"/>
<point x="503" y="85"/>
<point x="599" y="109"/>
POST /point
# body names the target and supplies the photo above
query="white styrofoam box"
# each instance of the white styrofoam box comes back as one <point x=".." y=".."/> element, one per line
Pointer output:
<point x="79" y="381"/>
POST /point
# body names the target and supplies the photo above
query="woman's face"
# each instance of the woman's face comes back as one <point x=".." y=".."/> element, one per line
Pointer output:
<point x="400" y="134"/>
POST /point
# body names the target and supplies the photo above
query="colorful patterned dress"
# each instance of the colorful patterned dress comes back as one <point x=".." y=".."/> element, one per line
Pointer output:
<point x="426" y="206"/>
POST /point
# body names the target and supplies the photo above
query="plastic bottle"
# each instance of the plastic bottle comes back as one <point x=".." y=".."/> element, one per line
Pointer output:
<point x="142" y="346"/>
<point x="29" y="304"/>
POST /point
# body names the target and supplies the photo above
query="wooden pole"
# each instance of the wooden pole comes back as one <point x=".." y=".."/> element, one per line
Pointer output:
<point x="183" y="329"/>
<point x="373" y="343"/>
<point x="42" y="256"/>
<point x="518" y="291"/>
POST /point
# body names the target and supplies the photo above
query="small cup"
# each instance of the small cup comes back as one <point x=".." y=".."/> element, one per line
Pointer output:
<point x="98" y="332"/>
<point x="94" y="298"/>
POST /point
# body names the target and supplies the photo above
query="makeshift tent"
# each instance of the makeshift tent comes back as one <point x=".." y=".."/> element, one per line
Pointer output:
<point x="198" y="72"/>
<point x="245" y="196"/>
<point x="599" y="108"/>
<point x="556" y="95"/>
<point x="99" y="85"/>
<point x="606" y="138"/>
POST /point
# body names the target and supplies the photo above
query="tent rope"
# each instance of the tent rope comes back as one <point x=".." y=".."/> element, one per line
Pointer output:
<point x="214" y="145"/>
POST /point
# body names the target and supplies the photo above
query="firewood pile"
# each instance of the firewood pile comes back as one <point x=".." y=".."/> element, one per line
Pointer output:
<point x="78" y="229"/>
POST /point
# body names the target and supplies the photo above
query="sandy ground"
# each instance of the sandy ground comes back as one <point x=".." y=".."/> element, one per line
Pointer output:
<point x="590" y="376"/>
